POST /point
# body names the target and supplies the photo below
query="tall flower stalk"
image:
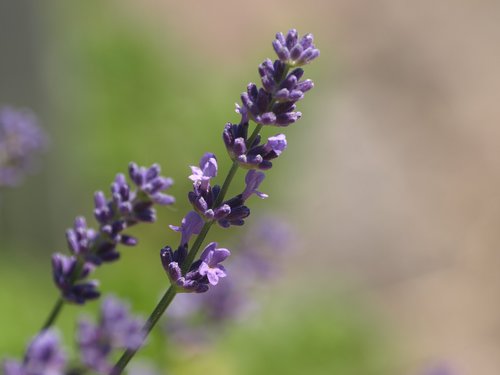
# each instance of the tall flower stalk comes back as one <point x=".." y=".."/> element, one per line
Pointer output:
<point x="273" y="104"/>
<point x="90" y="248"/>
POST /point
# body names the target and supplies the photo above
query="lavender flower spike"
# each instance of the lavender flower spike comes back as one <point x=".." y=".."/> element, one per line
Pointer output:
<point x="191" y="224"/>
<point x="43" y="357"/>
<point x="210" y="267"/>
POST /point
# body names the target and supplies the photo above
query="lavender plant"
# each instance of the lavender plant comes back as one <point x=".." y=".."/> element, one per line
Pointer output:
<point x="273" y="104"/>
<point x="21" y="140"/>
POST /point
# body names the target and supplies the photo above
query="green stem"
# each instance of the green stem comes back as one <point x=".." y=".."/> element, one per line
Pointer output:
<point x="53" y="314"/>
<point x="227" y="182"/>
<point x="196" y="247"/>
<point x="150" y="323"/>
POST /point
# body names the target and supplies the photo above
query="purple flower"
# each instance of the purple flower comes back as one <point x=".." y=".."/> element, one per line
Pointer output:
<point x="191" y="224"/>
<point x="237" y="212"/>
<point x="172" y="260"/>
<point x="151" y="184"/>
<point x="208" y="169"/>
<point x="203" y="272"/>
<point x="260" y="156"/>
<point x="256" y="156"/>
<point x="204" y="196"/>
<point x="64" y="268"/>
<point x="116" y="330"/>
<point x="80" y="238"/>
<point x="235" y="138"/>
<point x="261" y="107"/>
<point x="252" y="180"/>
<point x="274" y="103"/>
<point x="210" y="267"/>
<point x="21" y="140"/>
<point x="43" y="357"/>
<point x="295" y="52"/>
<point x="288" y="89"/>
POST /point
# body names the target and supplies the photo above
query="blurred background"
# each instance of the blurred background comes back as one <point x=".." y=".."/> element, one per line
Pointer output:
<point x="391" y="181"/>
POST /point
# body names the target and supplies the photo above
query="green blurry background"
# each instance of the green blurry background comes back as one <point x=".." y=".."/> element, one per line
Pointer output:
<point x="391" y="178"/>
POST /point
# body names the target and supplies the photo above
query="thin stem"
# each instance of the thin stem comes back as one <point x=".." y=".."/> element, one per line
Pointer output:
<point x="196" y="246"/>
<point x="150" y="323"/>
<point x="254" y="135"/>
<point x="53" y="314"/>
<point x="227" y="182"/>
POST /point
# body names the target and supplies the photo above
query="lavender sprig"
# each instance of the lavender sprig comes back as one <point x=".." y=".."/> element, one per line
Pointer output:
<point x="90" y="247"/>
<point x="273" y="104"/>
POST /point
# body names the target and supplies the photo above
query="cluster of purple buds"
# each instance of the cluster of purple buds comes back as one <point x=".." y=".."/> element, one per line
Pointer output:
<point x="21" y="140"/>
<point x="44" y="356"/>
<point x="293" y="51"/>
<point x="126" y="208"/>
<point x="274" y="103"/>
<point x="116" y="329"/>
<point x="256" y="155"/>
<point x="90" y="247"/>
<point x="73" y="288"/>
<point x="204" y="272"/>
<point x="204" y="196"/>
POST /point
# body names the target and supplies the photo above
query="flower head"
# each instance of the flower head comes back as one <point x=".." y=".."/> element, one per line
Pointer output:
<point x="294" y="51"/>
<point x="63" y="268"/>
<point x="255" y="156"/>
<point x="253" y="179"/>
<point x="203" y="272"/>
<point x="191" y="224"/>
<point x="151" y="184"/>
<point x="207" y="170"/>
<point x="80" y="237"/>
<point x="210" y="267"/>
